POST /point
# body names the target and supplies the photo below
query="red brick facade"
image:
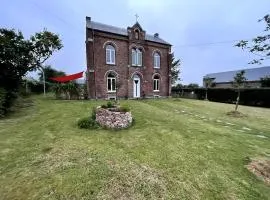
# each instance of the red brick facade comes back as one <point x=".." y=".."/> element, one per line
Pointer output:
<point x="98" y="70"/>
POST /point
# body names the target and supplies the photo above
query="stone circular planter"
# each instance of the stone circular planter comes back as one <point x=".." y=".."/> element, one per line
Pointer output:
<point x="112" y="118"/>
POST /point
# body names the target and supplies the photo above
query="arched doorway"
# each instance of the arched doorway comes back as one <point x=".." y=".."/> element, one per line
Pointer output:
<point x="136" y="86"/>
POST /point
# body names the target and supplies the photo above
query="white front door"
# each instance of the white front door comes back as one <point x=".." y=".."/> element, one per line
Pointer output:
<point x="136" y="86"/>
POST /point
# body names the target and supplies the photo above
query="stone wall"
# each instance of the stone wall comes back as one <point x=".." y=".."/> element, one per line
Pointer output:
<point x="113" y="119"/>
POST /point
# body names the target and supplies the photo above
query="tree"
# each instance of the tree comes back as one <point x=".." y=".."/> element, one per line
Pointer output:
<point x="238" y="83"/>
<point x="193" y="85"/>
<point x="208" y="82"/>
<point x="265" y="81"/>
<point x="43" y="46"/>
<point x="19" y="56"/>
<point x="260" y="45"/>
<point x="175" y="70"/>
<point x="49" y="73"/>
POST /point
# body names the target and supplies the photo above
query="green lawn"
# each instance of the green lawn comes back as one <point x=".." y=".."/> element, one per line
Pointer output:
<point x="177" y="149"/>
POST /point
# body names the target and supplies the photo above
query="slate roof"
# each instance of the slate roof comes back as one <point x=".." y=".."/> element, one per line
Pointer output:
<point x="120" y="31"/>
<point x="252" y="74"/>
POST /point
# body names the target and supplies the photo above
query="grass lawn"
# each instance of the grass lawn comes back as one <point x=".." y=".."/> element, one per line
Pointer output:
<point x="177" y="149"/>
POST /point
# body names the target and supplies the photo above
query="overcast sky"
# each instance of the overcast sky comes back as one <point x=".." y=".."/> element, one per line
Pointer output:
<point x="198" y="30"/>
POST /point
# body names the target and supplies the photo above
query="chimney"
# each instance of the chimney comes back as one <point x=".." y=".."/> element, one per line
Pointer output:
<point x="88" y="18"/>
<point x="156" y="35"/>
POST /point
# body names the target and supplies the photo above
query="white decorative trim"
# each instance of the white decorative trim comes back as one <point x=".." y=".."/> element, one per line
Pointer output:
<point x="112" y="71"/>
<point x="136" y="47"/>
<point x="110" y="42"/>
<point x="138" y="73"/>
<point x="158" y="51"/>
<point x="156" y="74"/>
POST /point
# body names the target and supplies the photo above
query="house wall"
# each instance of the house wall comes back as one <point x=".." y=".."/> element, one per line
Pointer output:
<point x="96" y="60"/>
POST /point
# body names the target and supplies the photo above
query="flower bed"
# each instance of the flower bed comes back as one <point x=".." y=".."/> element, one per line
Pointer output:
<point x="113" y="118"/>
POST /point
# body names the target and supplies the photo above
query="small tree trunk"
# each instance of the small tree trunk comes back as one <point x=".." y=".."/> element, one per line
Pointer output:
<point x="206" y="95"/>
<point x="237" y="100"/>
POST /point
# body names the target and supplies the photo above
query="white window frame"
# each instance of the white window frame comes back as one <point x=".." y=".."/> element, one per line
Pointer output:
<point x="136" y="57"/>
<point x="110" y="50"/>
<point x="110" y="79"/>
<point x="156" y="60"/>
<point x="156" y="84"/>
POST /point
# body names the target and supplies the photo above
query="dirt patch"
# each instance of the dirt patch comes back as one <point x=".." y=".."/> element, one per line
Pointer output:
<point x="261" y="168"/>
<point x="235" y="114"/>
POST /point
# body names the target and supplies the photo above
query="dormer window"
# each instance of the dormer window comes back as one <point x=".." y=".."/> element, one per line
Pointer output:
<point x="136" y="34"/>
<point x="136" y="57"/>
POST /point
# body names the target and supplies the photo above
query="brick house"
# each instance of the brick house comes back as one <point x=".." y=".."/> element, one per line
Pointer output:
<point x="127" y="63"/>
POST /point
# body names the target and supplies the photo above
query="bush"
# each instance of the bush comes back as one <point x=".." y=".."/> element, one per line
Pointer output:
<point x="93" y="115"/>
<point x="124" y="108"/>
<point x="104" y="106"/>
<point x="109" y="104"/>
<point x="87" y="123"/>
<point x="6" y="101"/>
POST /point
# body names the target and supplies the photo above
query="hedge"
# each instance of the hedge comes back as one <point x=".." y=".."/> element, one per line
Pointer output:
<point x="249" y="96"/>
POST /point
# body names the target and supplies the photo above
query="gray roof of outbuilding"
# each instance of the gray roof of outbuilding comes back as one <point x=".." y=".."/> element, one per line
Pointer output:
<point x="120" y="31"/>
<point x="252" y="74"/>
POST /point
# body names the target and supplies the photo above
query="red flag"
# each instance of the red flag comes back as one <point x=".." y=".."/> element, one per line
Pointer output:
<point x="71" y="77"/>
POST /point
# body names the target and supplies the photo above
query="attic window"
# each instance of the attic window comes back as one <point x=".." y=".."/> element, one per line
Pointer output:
<point x="136" y="34"/>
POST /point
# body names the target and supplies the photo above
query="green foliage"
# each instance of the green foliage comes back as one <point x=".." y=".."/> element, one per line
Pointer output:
<point x="70" y="90"/>
<point x="93" y="114"/>
<point x="208" y="82"/>
<point x="110" y="104"/>
<point x="7" y="98"/>
<point x="50" y="73"/>
<point x="124" y="108"/>
<point x="239" y="80"/>
<point x="104" y="106"/>
<point x="260" y="45"/>
<point x="192" y="85"/>
<point x="175" y="70"/>
<point x="265" y="81"/>
<point x="19" y="56"/>
<point x="87" y="123"/>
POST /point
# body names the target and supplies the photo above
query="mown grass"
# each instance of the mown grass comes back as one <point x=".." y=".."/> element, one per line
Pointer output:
<point x="177" y="149"/>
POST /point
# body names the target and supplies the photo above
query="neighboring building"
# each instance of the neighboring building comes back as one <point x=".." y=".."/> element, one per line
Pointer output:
<point x="126" y="62"/>
<point x="253" y="75"/>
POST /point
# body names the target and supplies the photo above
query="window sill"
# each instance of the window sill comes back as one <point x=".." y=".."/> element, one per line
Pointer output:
<point x="111" y="91"/>
<point x="136" y="66"/>
<point x="155" y="90"/>
<point x="111" y="64"/>
<point x="156" y="67"/>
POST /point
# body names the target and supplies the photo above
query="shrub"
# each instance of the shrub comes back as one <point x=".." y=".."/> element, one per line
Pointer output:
<point x="124" y="108"/>
<point x="6" y="101"/>
<point x="104" y="106"/>
<point x="87" y="123"/>
<point x="109" y="104"/>
<point x="93" y="115"/>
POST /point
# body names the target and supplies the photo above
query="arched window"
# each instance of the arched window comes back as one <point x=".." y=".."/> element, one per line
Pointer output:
<point x="156" y="60"/>
<point x="136" y="57"/>
<point x="110" y="54"/>
<point x="111" y="82"/>
<point x="156" y="83"/>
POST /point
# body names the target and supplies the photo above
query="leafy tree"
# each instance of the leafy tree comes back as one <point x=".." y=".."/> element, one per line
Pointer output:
<point x="238" y="83"/>
<point x="49" y="73"/>
<point x="208" y="82"/>
<point x="265" y="81"/>
<point x="175" y="70"/>
<point x="193" y="85"/>
<point x="19" y="56"/>
<point x="260" y="45"/>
